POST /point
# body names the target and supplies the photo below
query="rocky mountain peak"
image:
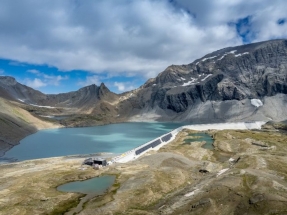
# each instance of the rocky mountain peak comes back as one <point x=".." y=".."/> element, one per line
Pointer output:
<point x="103" y="87"/>
<point x="103" y="90"/>
<point x="226" y="76"/>
<point x="8" y="80"/>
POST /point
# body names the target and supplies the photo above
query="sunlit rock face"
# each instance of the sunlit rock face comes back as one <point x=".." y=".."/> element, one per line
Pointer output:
<point x="219" y="86"/>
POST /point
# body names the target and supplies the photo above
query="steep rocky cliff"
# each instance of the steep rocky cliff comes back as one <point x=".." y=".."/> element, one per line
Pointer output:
<point x="218" y="87"/>
<point x="240" y="83"/>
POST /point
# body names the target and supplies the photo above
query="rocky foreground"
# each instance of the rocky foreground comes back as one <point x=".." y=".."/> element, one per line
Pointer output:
<point x="246" y="173"/>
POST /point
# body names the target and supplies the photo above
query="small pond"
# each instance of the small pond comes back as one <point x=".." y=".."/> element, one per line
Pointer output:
<point x="200" y="137"/>
<point x="96" y="185"/>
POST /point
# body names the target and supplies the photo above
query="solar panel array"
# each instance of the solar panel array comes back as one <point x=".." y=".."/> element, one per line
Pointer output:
<point x="146" y="147"/>
<point x="166" y="137"/>
<point x="155" y="143"/>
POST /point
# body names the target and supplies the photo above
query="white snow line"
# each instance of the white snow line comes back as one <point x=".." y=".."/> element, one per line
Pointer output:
<point x="46" y="116"/>
<point x="42" y="106"/>
<point x="231" y="52"/>
<point x="208" y="58"/>
<point x="238" y="55"/>
<point x="191" y="193"/>
<point x="206" y="77"/>
<point x="221" y="172"/>
<point x="188" y="83"/>
<point x="21" y="100"/>
<point x="222" y="57"/>
<point x="192" y="82"/>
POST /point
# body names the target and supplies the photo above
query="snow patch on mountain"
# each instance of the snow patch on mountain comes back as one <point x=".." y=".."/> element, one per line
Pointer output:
<point x="206" y="77"/>
<point x="256" y="102"/>
<point x="231" y="52"/>
<point x="208" y="58"/>
<point x="42" y="106"/>
<point x="238" y="55"/>
<point x="193" y="81"/>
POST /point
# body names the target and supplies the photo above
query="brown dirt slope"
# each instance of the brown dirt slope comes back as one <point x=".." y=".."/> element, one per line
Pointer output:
<point x="171" y="181"/>
<point x="16" y="123"/>
<point x="180" y="178"/>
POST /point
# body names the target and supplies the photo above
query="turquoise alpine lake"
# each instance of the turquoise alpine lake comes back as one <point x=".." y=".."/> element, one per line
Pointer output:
<point x="96" y="185"/>
<point x="113" y="138"/>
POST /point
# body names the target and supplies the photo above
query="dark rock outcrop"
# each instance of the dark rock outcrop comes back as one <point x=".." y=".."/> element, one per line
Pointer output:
<point x="217" y="87"/>
<point x="253" y="71"/>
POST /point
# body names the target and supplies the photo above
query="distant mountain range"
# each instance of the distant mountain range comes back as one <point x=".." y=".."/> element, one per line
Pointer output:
<point x="242" y="83"/>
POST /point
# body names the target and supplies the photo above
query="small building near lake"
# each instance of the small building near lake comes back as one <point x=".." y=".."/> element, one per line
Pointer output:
<point x="93" y="161"/>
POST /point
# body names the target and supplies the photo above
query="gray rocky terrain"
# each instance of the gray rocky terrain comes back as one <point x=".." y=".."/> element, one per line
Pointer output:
<point x="218" y="87"/>
<point x="83" y="98"/>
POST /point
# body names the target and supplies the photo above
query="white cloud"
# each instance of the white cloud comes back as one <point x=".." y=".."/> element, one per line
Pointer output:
<point x="124" y="86"/>
<point x="34" y="71"/>
<point x="54" y="79"/>
<point x="45" y="80"/>
<point x="129" y="37"/>
<point x="35" y="83"/>
<point x="94" y="79"/>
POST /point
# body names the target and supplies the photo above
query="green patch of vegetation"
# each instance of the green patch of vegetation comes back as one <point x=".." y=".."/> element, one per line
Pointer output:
<point x="101" y="200"/>
<point x="205" y="157"/>
<point x="65" y="206"/>
<point x="276" y="164"/>
<point x="20" y="115"/>
<point x="3" y="121"/>
<point x="249" y="180"/>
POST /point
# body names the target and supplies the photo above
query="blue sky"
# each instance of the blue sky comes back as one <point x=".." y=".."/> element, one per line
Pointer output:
<point x="50" y="80"/>
<point x="60" y="46"/>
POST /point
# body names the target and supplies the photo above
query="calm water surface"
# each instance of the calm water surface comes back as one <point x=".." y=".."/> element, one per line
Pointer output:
<point x="114" y="138"/>
<point x="201" y="137"/>
<point x="96" y="185"/>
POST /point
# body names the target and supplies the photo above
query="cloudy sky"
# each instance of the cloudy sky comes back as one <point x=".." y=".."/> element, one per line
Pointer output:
<point x="62" y="45"/>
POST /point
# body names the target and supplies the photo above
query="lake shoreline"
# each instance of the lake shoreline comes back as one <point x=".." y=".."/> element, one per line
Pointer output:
<point x="114" y="138"/>
<point x="171" y="172"/>
<point x="198" y="127"/>
<point x="17" y="139"/>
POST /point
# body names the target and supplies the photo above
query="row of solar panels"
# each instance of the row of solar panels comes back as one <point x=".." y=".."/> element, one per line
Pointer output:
<point x="166" y="137"/>
<point x="146" y="147"/>
<point x="154" y="144"/>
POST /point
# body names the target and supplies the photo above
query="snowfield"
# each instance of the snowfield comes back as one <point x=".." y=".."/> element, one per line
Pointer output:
<point x="256" y="102"/>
